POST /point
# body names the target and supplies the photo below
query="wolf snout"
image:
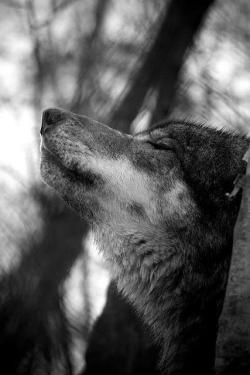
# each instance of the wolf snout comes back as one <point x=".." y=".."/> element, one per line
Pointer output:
<point x="51" y="117"/>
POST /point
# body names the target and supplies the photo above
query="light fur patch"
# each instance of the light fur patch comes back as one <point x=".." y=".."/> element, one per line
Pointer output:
<point x="128" y="183"/>
<point x="131" y="185"/>
<point x="177" y="199"/>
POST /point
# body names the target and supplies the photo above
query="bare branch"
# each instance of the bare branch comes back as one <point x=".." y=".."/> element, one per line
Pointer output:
<point x="86" y="60"/>
<point x="13" y="4"/>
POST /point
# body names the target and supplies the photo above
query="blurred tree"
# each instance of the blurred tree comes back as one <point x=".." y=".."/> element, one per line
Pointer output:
<point x="88" y="56"/>
<point x="34" y="290"/>
<point x="35" y="332"/>
<point x="163" y="62"/>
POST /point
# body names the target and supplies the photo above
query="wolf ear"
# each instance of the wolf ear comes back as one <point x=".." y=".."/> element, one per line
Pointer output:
<point x="213" y="171"/>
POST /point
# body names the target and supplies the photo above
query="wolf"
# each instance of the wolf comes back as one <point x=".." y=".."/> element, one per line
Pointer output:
<point x="160" y="209"/>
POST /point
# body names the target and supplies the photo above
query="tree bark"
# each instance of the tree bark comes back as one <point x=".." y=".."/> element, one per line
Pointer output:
<point x="233" y="343"/>
<point x="163" y="62"/>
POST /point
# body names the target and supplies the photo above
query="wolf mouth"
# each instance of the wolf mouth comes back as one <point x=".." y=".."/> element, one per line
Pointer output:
<point x="50" y="154"/>
<point x="73" y="172"/>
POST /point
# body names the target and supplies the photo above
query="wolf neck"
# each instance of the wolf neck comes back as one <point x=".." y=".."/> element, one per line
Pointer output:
<point x="177" y="286"/>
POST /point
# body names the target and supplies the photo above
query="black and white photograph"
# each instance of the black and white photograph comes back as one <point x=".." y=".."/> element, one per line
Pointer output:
<point x="125" y="187"/>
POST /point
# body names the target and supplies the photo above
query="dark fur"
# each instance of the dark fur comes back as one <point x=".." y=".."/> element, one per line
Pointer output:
<point x="119" y="342"/>
<point x="174" y="272"/>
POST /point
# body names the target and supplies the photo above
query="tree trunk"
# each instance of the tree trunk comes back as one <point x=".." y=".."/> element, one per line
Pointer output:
<point x="163" y="62"/>
<point x="233" y="344"/>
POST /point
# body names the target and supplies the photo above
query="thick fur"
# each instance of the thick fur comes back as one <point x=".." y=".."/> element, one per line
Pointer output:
<point x="158" y="206"/>
<point x="119" y="342"/>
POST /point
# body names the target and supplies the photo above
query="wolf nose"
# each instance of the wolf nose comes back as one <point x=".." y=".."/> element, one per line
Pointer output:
<point x="50" y="117"/>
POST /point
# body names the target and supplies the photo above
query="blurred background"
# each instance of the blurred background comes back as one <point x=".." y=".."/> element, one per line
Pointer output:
<point x="128" y="64"/>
